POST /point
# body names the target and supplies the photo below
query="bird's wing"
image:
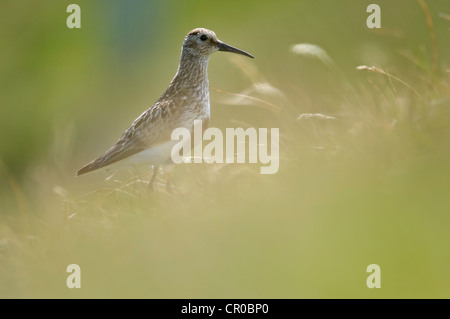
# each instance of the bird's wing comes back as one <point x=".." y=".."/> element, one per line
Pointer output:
<point x="151" y="128"/>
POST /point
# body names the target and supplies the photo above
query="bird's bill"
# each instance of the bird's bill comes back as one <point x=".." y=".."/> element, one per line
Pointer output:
<point x="228" y="48"/>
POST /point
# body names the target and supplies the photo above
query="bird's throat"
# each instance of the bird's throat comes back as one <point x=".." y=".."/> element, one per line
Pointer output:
<point x="193" y="68"/>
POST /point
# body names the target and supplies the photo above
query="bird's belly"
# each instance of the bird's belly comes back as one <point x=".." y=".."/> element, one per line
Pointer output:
<point x="154" y="155"/>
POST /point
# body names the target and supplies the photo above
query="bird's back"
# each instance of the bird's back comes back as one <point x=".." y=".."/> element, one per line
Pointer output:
<point x="178" y="107"/>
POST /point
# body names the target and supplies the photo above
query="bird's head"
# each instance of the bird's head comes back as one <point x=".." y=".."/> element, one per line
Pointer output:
<point x="204" y="42"/>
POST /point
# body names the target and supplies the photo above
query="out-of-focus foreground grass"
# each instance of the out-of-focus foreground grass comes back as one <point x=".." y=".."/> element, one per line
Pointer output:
<point x="364" y="171"/>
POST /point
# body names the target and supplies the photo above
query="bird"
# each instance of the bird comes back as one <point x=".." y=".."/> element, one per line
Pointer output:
<point x="186" y="99"/>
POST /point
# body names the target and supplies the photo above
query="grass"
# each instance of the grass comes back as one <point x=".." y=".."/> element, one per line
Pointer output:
<point x="364" y="178"/>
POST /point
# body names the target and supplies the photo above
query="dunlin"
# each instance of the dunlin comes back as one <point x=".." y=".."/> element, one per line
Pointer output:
<point x="148" y="139"/>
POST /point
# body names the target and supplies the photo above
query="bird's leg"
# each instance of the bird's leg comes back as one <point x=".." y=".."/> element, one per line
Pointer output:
<point x="155" y="169"/>
<point x="168" y="169"/>
<point x="170" y="186"/>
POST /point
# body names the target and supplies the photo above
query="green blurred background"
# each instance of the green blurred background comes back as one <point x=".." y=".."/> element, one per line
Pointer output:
<point x="370" y="186"/>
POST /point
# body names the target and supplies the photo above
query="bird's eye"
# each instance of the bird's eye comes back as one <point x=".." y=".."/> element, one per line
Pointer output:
<point x="203" y="37"/>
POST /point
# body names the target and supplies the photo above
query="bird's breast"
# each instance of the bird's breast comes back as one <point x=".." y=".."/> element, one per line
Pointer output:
<point x="196" y="105"/>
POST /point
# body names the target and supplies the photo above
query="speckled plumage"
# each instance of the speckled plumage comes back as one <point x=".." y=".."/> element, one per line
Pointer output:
<point x="185" y="100"/>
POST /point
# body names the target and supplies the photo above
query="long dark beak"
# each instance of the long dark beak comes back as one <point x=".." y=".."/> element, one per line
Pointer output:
<point x="228" y="48"/>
